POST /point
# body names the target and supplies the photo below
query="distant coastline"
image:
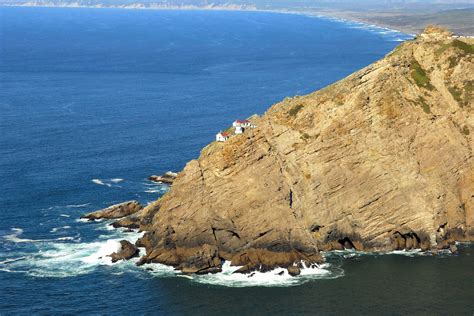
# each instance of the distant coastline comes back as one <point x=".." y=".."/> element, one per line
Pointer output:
<point x="406" y="21"/>
<point x="229" y="7"/>
<point x="142" y="6"/>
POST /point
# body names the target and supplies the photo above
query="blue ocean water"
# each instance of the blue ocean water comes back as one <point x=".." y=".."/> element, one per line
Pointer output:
<point x="93" y="101"/>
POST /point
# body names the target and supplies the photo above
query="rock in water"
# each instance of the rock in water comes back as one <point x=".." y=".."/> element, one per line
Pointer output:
<point x="127" y="251"/>
<point x="115" y="211"/>
<point x="378" y="161"/>
<point x="167" y="178"/>
<point x="294" y="270"/>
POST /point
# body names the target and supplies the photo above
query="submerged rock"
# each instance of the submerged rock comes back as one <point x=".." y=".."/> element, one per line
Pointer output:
<point x="115" y="211"/>
<point x="127" y="251"/>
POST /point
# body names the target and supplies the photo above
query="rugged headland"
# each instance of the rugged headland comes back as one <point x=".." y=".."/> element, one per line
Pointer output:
<point x="379" y="161"/>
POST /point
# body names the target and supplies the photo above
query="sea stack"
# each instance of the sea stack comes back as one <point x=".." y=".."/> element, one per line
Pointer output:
<point x="379" y="161"/>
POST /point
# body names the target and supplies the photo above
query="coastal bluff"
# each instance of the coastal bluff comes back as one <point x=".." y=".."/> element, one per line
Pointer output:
<point x="379" y="161"/>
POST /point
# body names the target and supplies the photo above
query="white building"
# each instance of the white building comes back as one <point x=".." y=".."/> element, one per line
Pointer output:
<point x="222" y="136"/>
<point x="241" y="123"/>
<point x="239" y="129"/>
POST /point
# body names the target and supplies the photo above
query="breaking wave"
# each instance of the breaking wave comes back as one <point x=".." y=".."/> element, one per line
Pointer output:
<point x="156" y="188"/>
<point x="60" y="257"/>
<point x="386" y="32"/>
<point x="278" y="277"/>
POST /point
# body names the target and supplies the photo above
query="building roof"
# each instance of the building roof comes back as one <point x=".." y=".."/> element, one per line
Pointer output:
<point x="224" y="134"/>
<point x="242" y="121"/>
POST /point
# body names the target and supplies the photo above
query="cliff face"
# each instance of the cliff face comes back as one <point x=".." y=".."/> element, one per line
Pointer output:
<point x="378" y="161"/>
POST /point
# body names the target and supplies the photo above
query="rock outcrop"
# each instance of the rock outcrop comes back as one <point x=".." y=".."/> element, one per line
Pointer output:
<point x="115" y="211"/>
<point x="378" y="161"/>
<point x="167" y="178"/>
<point x="127" y="251"/>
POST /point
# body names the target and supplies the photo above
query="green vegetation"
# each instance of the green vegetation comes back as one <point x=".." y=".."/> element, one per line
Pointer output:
<point x="469" y="89"/>
<point x="396" y="50"/>
<point x="442" y="48"/>
<point x="424" y="105"/>
<point x="468" y="49"/>
<point x="464" y="94"/>
<point x="305" y="136"/>
<point x="465" y="47"/>
<point x="453" y="61"/>
<point x="456" y="93"/>
<point x="295" y="110"/>
<point x="419" y="75"/>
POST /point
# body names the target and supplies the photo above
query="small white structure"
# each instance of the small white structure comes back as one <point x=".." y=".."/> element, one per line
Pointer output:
<point x="241" y="123"/>
<point x="239" y="129"/>
<point x="222" y="136"/>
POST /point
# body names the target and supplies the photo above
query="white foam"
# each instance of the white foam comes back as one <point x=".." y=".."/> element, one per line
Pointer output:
<point x="116" y="180"/>
<point x="65" y="238"/>
<point x="55" y="259"/>
<point x="160" y="270"/>
<point x="102" y="255"/>
<point x="276" y="277"/>
<point x="10" y="260"/>
<point x="14" y="236"/>
<point x="158" y="190"/>
<point x="410" y="253"/>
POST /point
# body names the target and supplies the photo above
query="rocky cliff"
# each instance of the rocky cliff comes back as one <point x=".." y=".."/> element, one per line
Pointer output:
<point x="378" y="161"/>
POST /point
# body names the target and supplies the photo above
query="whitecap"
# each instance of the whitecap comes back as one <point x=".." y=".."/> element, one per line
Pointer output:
<point x="100" y="182"/>
<point x="77" y="205"/>
<point x="55" y="229"/>
<point x="85" y="220"/>
<point x="17" y="232"/>
<point x="116" y="180"/>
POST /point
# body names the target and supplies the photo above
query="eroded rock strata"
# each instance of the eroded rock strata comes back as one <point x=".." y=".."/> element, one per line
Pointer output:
<point x="115" y="211"/>
<point x="379" y="161"/>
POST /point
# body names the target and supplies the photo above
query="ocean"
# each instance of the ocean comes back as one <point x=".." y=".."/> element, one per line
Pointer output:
<point x="93" y="101"/>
